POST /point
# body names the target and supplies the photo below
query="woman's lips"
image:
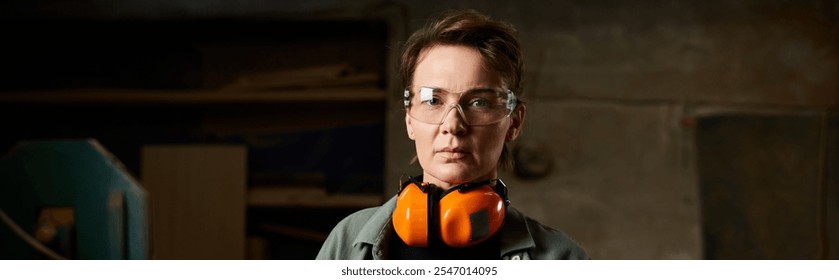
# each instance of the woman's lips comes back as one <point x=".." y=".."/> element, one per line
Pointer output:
<point x="452" y="153"/>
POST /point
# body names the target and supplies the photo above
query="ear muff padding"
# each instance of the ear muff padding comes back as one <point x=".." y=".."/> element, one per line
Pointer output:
<point x="471" y="216"/>
<point x="467" y="216"/>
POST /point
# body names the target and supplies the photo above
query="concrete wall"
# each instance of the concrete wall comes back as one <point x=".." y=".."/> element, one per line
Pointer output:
<point x="615" y="91"/>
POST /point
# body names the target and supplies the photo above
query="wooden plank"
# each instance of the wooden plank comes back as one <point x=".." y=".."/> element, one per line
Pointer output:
<point x="197" y="198"/>
<point x="302" y="83"/>
<point x="118" y="96"/>
<point x="307" y="196"/>
<point x="342" y="74"/>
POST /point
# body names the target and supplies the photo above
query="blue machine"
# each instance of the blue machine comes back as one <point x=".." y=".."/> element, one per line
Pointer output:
<point x="108" y="206"/>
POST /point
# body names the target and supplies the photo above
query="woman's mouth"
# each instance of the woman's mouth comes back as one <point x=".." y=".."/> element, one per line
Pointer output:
<point x="452" y="153"/>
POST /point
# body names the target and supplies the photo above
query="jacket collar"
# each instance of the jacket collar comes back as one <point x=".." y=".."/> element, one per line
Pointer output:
<point x="375" y="230"/>
<point x="514" y="235"/>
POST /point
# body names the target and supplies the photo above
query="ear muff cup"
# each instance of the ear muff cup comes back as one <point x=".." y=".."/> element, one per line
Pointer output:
<point x="470" y="217"/>
<point x="410" y="218"/>
<point x="466" y="216"/>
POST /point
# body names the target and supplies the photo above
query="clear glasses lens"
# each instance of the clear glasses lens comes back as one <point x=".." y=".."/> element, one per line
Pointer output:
<point x="478" y="106"/>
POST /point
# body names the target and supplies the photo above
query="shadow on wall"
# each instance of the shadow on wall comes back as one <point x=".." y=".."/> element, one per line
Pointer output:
<point x="769" y="186"/>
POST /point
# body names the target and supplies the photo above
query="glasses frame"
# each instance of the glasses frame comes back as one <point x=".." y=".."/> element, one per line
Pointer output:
<point x="512" y="103"/>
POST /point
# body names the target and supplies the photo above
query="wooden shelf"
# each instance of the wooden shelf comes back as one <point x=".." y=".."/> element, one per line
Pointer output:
<point x="175" y="97"/>
<point x="308" y="196"/>
<point x="248" y="82"/>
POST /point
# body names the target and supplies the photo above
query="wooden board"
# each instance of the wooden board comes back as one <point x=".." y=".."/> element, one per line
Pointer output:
<point x="197" y="198"/>
<point x="186" y="97"/>
<point x="308" y="196"/>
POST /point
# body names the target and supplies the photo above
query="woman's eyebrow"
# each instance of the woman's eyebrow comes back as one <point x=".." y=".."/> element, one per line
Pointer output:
<point x="468" y="91"/>
<point x="433" y="89"/>
<point x="481" y="90"/>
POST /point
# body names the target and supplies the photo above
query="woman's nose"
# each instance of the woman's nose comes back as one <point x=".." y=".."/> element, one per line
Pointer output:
<point x="454" y="122"/>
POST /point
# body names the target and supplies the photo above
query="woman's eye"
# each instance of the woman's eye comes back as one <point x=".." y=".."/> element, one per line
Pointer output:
<point x="479" y="103"/>
<point x="433" y="101"/>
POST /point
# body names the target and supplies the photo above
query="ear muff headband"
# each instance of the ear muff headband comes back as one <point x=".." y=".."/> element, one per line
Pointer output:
<point x="468" y="214"/>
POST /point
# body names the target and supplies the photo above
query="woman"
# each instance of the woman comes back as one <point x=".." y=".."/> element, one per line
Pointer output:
<point x="461" y="74"/>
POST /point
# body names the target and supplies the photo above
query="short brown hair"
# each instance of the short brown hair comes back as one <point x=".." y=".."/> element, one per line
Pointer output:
<point x="496" y="41"/>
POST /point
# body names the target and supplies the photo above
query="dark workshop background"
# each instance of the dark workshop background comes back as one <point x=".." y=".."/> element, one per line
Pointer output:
<point x="655" y="129"/>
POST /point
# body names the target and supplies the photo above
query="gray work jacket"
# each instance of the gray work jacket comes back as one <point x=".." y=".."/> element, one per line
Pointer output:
<point x="364" y="235"/>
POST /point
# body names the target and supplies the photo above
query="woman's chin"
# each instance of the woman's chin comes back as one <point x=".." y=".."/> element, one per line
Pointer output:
<point x="453" y="174"/>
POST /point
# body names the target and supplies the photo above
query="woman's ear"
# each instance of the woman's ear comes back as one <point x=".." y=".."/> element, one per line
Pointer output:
<point x="517" y="124"/>
<point x="408" y="127"/>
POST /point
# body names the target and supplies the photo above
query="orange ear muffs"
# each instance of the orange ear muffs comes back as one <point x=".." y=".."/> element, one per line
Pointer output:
<point x="410" y="218"/>
<point x="467" y="215"/>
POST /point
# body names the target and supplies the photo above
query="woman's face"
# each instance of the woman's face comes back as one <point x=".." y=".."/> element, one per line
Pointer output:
<point x="454" y="152"/>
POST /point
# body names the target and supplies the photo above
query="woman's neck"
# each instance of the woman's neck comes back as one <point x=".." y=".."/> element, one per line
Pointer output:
<point x="445" y="185"/>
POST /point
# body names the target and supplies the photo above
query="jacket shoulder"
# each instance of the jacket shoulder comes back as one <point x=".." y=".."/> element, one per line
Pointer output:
<point x="553" y="244"/>
<point x="339" y="242"/>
